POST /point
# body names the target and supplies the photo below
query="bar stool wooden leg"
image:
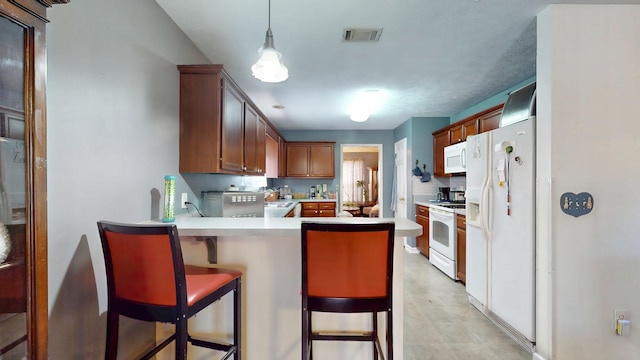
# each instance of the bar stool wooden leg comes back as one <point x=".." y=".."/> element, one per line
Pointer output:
<point x="181" y="339"/>
<point x="111" y="352"/>
<point x="374" y="318"/>
<point x="389" y="335"/>
<point x="237" y="320"/>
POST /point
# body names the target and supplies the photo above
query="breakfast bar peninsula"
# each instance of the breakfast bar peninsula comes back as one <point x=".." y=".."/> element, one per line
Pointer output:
<point x="268" y="252"/>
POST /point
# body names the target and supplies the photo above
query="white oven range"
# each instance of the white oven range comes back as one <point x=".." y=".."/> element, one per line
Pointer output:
<point x="442" y="238"/>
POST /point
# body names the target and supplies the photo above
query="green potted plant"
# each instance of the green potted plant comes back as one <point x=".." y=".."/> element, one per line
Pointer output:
<point x="365" y="194"/>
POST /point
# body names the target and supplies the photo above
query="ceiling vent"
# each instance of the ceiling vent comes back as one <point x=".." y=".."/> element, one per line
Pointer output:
<point x="353" y="34"/>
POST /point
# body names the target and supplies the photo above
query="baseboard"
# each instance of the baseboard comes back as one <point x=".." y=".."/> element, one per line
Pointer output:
<point x="411" y="249"/>
<point x="537" y="356"/>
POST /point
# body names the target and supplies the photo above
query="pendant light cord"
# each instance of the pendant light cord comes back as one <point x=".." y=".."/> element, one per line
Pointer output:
<point x="269" y="15"/>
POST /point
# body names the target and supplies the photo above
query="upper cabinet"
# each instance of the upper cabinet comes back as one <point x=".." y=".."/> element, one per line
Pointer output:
<point x="231" y="130"/>
<point x="310" y="159"/>
<point x="440" y="141"/>
<point x="490" y="120"/>
<point x="254" y="142"/>
<point x="221" y="130"/>
<point x="484" y="121"/>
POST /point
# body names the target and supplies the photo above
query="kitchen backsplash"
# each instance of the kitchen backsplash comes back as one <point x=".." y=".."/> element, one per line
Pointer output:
<point x="431" y="187"/>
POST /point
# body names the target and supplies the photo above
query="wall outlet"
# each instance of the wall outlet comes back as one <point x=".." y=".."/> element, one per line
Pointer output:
<point x="184" y="200"/>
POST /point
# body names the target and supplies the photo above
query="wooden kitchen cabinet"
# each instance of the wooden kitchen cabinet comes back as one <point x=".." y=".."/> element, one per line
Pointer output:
<point x="282" y="157"/>
<point x="486" y="120"/>
<point x="460" y="132"/>
<point x="261" y="146"/>
<point x="254" y="142"/>
<point x="440" y="141"/>
<point x="221" y="130"/>
<point x="461" y="248"/>
<point x="319" y="209"/>
<point x="310" y="159"/>
<point x="490" y="120"/>
<point x="422" y="218"/>
<point x="232" y="130"/>
<point x="456" y="134"/>
<point x="272" y="147"/>
<point x="469" y="127"/>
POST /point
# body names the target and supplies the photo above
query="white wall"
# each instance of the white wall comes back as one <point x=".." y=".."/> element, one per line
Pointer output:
<point x="588" y="75"/>
<point x="112" y="136"/>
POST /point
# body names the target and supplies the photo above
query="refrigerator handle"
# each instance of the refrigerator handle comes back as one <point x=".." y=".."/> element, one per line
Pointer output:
<point x="485" y="209"/>
<point x="463" y="158"/>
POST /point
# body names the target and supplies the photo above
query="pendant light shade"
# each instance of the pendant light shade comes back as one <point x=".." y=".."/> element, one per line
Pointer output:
<point x="269" y="67"/>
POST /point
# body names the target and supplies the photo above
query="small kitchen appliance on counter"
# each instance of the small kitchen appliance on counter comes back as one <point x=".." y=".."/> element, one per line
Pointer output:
<point x="457" y="196"/>
<point x="232" y="204"/>
<point x="443" y="194"/>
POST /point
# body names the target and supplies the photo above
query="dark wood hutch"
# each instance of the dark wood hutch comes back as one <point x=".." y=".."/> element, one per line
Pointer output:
<point x="23" y="274"/>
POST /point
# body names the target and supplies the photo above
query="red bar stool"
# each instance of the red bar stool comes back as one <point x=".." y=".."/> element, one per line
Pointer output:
<point x="347" y="268"/>
<point x="147" y="280"/>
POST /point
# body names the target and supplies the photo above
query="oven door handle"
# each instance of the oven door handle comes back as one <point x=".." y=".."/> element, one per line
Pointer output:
<point x="440" y="213"/>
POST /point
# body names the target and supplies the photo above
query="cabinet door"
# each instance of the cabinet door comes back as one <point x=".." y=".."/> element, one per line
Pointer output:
<point x="456" y="134"/>
<point x="272" y="156"/>
<point x="250" y="140"/>
<point x="298" y="160"/>
<point x="232" y="154"/>
<point x="282" y="157"/>
<point x="461" y="251"/>
<point x="327" y="209"/>
<point x="321" y="161"/>
<point x="261" y="150"/>
<point x="440" y="141"/>
<point x="469" y="128"/>
<point x="422" y="218"/>
<point x="490" y="120"/>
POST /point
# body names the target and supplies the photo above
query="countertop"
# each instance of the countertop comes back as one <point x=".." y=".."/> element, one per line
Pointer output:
<point x="462" y="212"/>
<point x="189" y="225"/>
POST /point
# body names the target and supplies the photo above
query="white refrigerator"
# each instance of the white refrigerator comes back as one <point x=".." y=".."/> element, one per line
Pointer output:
<point x="500" y="206"/>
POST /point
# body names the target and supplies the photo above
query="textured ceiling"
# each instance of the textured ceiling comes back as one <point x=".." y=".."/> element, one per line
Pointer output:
<point x="434" y="58"/>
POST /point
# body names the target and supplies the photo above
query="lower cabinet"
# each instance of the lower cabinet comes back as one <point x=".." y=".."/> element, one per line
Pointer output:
<point x="319" y="209"/>
<point x="422" y="218"/>
<point x="461" y="255"/>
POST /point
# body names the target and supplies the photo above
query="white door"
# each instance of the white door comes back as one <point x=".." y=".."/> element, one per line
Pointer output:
<point x="401" y="206"/>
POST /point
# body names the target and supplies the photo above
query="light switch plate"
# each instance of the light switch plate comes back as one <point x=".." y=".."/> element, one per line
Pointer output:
<point x="576" y="204"/>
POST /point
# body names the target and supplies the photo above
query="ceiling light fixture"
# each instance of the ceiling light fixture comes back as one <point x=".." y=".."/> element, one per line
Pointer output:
<point x="269" y="67"/>
<point x="366" y="102"/>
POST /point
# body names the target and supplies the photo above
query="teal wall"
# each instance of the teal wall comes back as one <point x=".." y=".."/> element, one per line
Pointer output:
<point x="422" y="140"/>
<point x="417" y="131"/>
<point x="490" y="102"/>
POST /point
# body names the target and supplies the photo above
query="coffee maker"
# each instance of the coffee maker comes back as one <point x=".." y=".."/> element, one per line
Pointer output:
<point x="443" y="194"/>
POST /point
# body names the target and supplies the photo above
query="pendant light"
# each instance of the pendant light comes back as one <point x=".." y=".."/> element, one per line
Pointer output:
<point x="269" y="67"/>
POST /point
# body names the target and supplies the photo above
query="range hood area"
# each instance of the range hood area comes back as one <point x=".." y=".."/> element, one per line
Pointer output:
<point x="520" y="105"/>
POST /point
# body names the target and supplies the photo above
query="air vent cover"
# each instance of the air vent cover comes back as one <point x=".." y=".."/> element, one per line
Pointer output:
<point x="353" y="34"/>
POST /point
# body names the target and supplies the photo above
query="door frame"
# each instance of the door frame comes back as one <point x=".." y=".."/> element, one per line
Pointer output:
<point x="379" y="147"/>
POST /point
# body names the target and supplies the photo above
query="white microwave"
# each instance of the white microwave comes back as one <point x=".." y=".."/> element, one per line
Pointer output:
<point x="455" y="158"/>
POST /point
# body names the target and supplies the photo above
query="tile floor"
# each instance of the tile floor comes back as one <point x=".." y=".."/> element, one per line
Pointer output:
<point x="440" y="324"/>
